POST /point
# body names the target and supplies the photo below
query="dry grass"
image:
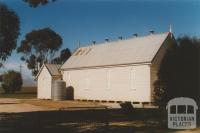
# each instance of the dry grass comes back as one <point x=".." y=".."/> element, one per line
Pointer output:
<point x="62" y="104"/>
<point x="18" y="96"/>
<point x="24" y="93"/>
<point x="24" y="90"/>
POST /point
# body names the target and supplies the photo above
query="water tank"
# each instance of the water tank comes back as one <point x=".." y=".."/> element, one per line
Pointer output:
<point x="59" y="90"/>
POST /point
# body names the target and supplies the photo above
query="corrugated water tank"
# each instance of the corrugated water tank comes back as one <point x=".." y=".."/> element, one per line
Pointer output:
<point x="59" y="90"/>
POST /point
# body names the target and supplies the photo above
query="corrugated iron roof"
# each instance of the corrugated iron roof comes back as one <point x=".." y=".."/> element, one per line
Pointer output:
<point x="130" y="51"/>
<point x="53" y="69"/>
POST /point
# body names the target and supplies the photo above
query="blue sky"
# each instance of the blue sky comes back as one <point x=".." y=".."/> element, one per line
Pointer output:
<point x="88" y="20"/>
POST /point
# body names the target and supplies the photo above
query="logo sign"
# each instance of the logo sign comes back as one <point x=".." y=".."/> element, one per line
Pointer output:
<point x="182" y="113"/>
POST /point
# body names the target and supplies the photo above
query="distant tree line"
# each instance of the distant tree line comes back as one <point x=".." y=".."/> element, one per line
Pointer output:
<point x="178" y="75"/>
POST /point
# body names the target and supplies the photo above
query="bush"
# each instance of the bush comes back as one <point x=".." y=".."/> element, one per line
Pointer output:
<point x="12" y="81"/>
<point x="178" y="75"/>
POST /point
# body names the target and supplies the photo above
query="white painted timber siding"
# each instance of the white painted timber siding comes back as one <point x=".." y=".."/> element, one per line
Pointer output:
<point x="128" y="83"/>
<point x="44" y="83"/>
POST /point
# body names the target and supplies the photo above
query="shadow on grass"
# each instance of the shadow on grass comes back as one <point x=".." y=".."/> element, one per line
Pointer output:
<point x="84" y="121"/>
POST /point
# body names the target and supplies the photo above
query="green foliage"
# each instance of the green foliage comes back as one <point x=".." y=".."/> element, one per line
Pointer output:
<point x="179" y="72"/>
<point x="9" y="31"/>
<point x="36" y="3"/>
<point x="12" y="81"/>
<point x="39" y="46"/>
<point x="64" y="55"/>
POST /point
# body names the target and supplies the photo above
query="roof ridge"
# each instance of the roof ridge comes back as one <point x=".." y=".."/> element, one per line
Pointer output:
<point x="117" y="40"/>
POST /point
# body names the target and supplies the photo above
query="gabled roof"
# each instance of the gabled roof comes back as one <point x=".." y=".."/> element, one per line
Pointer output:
<point x="52" y="68"/>
<point x="131" y="51"/>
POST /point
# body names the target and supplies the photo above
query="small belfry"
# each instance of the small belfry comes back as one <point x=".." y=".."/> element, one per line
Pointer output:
<point x="170" y="28"/>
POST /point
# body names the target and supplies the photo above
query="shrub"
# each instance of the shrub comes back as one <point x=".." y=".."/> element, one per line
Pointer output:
<point x="11" y="81"/>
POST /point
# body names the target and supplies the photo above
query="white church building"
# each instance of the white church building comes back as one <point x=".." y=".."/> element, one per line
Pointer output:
<point x="122" y="70"/>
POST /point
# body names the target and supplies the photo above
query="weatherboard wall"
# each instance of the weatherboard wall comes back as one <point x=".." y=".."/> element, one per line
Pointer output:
<point x="127" y="83"/>
<point x="44" y="83"/>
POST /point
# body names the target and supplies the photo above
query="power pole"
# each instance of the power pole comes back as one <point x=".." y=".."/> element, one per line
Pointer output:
<point x="20" y="69"/>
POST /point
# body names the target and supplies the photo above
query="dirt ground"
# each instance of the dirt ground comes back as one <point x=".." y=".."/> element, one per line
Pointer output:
<point x="9" y="101"/>
<point x="12" y="105"/>
<point x="19" y="108"/>
<point x="9" y="105"/>
<point x="75" y="116"/>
